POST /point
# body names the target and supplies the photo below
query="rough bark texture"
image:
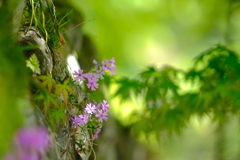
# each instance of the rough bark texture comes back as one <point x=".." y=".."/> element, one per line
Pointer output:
<point x="62" y="140"/>
<point x="52" y="62"/>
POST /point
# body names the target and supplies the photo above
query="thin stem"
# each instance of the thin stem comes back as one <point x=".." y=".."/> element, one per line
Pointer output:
<point x="44" y="26"/>
<point x="44" y="22"/>
<point x="63" y="18"/>
<point x="79" y="24"/>
<point x="33" y="14"/>
<point x="63" y="24"/>
<point x="92" y="150"/>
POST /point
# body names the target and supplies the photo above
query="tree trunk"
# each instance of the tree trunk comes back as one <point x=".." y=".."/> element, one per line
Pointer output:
<point x="52" y="62"/>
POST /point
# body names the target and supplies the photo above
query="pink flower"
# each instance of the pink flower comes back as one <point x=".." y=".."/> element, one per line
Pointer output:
<point x="102" y="115"/>
<point x="75" y="121"/>
<point x="92" y="83"/>
<point x="105" y="65"/>
<point x="105" y="106"/>
<point x="112" y="60"/>
<point x="112" y="69"/>
<point x="79" y="75"/>
<point x="99" y="73"/>
<point x="96" y="134"/>
<point x="109" y="66"/>
<point x="31" y="144"/>
<point x="99" y="105"/>
<point x="33" y="138"/>
<point x="80" y="120"/>
<point x="90" y="108"/>
<point x="89" y="75"/>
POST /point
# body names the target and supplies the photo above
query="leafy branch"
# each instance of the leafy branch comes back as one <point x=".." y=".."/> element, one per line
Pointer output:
<point x="168" y="106"/>
<point x="48" y="96"/>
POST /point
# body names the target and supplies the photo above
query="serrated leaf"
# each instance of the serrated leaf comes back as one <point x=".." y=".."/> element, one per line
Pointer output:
<point x="58" y="115"/>
<point x="149" y="72"/>
<point x="64" y="89"/>
<point x="47" y="81"/>
<point x="47" y="98"/>
<point x="33" y="64"/>
<point x="126" y="86"/>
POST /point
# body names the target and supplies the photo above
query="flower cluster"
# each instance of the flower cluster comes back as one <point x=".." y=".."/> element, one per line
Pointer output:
<point x="92" y="113"/>
<point x="31" y="144"/>
<point x="98" y="72"/>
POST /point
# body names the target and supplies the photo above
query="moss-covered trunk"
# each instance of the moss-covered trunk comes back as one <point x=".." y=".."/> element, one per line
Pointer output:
<point x="19" y="86"/>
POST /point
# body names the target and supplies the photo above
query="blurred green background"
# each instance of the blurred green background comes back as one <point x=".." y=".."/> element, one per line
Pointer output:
<point x="141" y="33"/>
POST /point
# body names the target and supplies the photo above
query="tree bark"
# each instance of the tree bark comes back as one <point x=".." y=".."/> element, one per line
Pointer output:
<point x="52" y="62"/>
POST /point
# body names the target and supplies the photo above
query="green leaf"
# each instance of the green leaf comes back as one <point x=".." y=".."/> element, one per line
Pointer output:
<point x="146" y="74"/>
<point x="126" y="86"/>
<point x="58" y="115"/>
<point x="47" y="81"/>
<point x="33" y="64"/>
<point x="64" y="89"/>
<point x="47" y="98"/>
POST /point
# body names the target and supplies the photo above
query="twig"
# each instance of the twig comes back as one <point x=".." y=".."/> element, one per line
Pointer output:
<point x="79" y="24"/>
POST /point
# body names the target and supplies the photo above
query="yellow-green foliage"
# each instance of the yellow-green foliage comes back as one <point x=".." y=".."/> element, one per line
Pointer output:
<point x="33" y="64"/>
<point x="49" y="95"/>
<point x="64" y="89"/>
<point x="47" y="81"/>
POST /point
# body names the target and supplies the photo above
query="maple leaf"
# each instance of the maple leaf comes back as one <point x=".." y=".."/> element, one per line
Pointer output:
<point x="33" y="64"/>
<point x="47" y="98"/>
<point x="47" y="81"/>
<point x="56" y="115"/>
<point x="64" y="89"/>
